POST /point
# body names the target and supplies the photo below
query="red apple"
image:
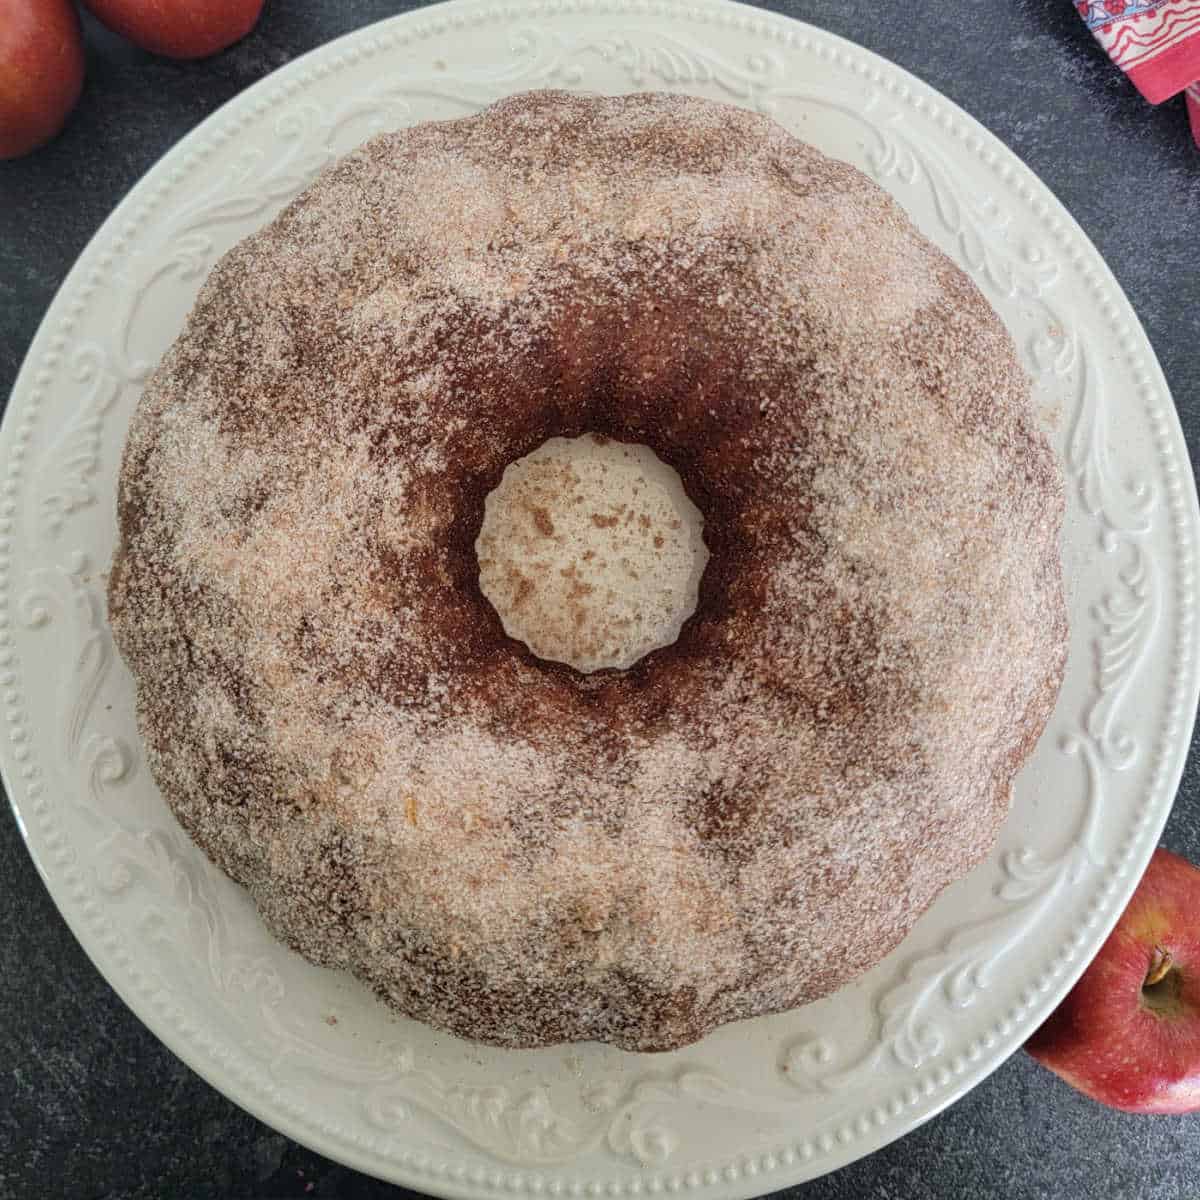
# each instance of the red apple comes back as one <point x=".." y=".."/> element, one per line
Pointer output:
<point x="179" y="28"/>
<point x="1128" y="1033"/>
<point x="41" y="71"/>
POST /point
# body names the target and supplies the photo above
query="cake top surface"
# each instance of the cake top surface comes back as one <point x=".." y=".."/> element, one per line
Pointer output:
<point x="327" y="703"/>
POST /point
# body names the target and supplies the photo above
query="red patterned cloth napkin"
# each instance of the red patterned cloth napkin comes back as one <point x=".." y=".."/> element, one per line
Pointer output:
<point x="1155" y="42"/>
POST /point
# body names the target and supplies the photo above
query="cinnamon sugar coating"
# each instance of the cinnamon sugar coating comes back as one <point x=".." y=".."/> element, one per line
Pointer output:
<point x="744" y="820"/>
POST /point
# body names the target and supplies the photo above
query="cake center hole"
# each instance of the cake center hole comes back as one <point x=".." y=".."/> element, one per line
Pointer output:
<point x="591" y="552"/>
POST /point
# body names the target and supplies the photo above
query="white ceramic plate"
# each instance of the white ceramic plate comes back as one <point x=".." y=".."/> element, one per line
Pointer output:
<point x="756" y="1106"/>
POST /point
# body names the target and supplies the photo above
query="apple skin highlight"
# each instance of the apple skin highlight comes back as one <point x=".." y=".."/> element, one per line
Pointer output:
<point x="178" y="28"/>
<point x="41" y="71"/>
<point x="1132" y="1046"/>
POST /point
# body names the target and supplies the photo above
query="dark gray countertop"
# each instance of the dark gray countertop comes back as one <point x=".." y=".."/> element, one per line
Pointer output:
<point x="91" y="1105"/>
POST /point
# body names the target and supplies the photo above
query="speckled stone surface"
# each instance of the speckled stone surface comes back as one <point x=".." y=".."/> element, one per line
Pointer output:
<point x="92" y="1106"/>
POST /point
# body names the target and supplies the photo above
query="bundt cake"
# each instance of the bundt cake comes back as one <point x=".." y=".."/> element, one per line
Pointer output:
<point x="498" y="844"/>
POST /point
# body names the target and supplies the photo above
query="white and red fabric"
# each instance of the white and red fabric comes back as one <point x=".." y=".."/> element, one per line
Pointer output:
<point x="1155" y="42"/>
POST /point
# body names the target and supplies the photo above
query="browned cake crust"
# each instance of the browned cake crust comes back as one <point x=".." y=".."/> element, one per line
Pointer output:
<point x="744" y="820"/>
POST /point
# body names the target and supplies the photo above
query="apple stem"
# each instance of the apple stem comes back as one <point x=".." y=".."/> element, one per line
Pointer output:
<point x="1160" y="964"/>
